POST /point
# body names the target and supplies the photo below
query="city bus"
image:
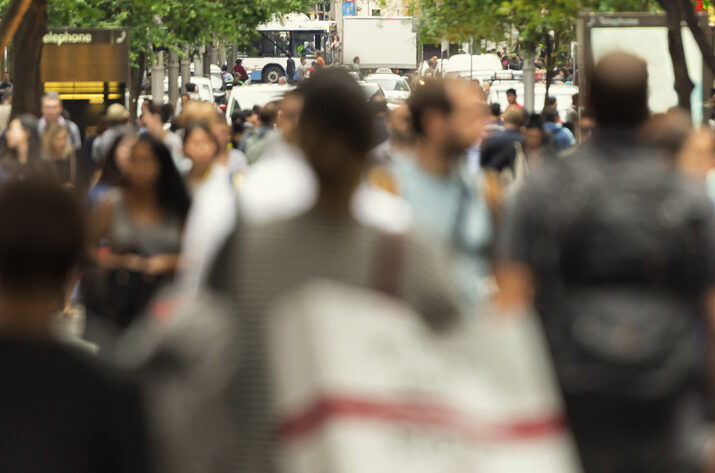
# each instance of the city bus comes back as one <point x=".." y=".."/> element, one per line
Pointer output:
<point x="295" y="36"/>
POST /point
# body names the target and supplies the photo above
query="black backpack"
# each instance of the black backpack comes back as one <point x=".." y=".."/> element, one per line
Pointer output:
<point x="628" y="289"/>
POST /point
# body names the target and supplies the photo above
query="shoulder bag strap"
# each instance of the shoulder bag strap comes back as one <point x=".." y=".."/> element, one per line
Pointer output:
<point x="389" y="264"/>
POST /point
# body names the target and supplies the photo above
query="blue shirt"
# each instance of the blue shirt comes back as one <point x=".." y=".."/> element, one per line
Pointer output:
<point x="562" y="137"/>
<point x="451" y="211"/>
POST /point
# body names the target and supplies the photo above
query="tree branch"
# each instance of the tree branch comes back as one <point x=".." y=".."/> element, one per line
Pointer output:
<point x="14" y="14"/>
<point x="700" y="37"/>
<point x="683" y="85"/>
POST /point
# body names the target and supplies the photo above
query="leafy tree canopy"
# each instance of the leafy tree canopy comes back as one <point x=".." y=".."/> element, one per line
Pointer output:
<point x="167" y="23"/>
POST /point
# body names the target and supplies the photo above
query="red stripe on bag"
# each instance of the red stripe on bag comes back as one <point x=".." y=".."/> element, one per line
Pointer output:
<point x="426" y="415"/>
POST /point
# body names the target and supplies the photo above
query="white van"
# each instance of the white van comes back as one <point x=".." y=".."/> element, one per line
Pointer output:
<point x="563" y="94"/>
<point x="245" y="97"/>
<point x="483" y="67"/>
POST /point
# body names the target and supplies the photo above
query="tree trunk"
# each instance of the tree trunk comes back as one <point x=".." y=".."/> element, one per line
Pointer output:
<point x="173" y="78"/>
<point x="199" y="62"/>
<point x="683" y="85"/>
<point x="222" y="54"/>
<point x="26" y="60"/>
<point x="12" y="16"/>
<point x="207" y="60"/>
<point x="700" y="37"/>
<point x="549" y="64"/>
<point x="157" y="78"/>
<point x="137" y="77"/>
<point x="529" y="79"/>
<point x="185" y="68"/>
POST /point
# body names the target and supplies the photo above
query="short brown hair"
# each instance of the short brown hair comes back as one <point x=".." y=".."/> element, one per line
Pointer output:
<point x="432" y="96"/>
<point x="43" y="235"/>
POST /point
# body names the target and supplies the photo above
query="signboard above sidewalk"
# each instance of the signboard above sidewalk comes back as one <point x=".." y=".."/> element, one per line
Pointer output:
<point x="85" y="54"/>
<point x="349" y="8"/>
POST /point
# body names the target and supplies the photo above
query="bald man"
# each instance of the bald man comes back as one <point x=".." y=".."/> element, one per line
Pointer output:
<point x="616" y="252"/>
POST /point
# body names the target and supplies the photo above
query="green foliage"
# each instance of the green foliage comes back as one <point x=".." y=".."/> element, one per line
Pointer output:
<point x="167" y="23"/>
<point x="494" y="20"/>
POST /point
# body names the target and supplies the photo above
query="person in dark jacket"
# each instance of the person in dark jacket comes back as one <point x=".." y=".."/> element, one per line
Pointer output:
<point x="500" y="148"/>
<point x="619" y="253"/>
<point x="62" y="412"/>
<point x="290" y="70"/>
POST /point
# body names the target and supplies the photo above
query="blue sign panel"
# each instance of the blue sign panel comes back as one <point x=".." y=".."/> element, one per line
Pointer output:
<point x="349" y="8"/>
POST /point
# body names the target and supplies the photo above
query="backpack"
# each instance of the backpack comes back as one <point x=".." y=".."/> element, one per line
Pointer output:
<point x="623" y="314"/>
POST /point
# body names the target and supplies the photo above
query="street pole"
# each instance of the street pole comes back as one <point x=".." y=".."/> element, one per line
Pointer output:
<point x="186" y="67"/>
<point x="529" y="81"/>
<point x="173" y="77"/>
<point x="157" y="78"/>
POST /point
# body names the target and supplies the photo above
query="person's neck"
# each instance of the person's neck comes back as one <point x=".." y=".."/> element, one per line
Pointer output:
<point x="58" y="155"/>
<point x="222" y="157"/>
<point x="28" y="314"/>
<point x="141" y="196"/>
<point x="400" y="144"/>
<point x="198" y="172"/>
<point x="432" y="158"/>
<point x="23" y="151"/>
<point x="158" y="131"/>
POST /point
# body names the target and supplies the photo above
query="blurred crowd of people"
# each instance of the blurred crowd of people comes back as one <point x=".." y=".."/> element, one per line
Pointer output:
<point x="160" y="248"/>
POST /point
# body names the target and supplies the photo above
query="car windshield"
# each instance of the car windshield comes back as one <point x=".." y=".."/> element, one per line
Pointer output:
<point x="371" y="89"/>
<point x="216" y="81"/>
<point x="250" y="99"/>
<point x="205" y="92"/>
<point x="390" y="83"/>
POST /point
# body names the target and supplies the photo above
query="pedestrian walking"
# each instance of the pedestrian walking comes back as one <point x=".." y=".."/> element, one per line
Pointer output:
<point x="5" y="109"/>
<point x="59" y="152"/>
<point x="21" y="154"/>
<point x="262" y="263"/>
<point x="290" y="70"/>
<point x="61" y="410"/>
<point x="302" y="70"/>
<point x="561" y="137"/>
<point x="136" y="233"/>
<point x="448" y="117"/>
<point x="52" y="110"/>
<point x="620" y="275"/>
<point x="240" y="70"/>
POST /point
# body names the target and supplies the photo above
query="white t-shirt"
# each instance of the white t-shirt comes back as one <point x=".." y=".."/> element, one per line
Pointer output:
<point x="212" y="217"/>
<point x="282" y="185"/>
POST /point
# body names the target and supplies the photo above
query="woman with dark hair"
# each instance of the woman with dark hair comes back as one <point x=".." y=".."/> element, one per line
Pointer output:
<point x="114" y="168"/>
<point x="136" y="230"/>
<point x="21" y="153"/>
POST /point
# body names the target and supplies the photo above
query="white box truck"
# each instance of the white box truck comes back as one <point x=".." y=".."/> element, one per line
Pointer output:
<point x="380" y="42"/>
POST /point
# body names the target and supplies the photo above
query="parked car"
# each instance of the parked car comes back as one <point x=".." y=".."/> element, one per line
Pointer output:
<point x="247" y="96"/>
<point x="395" y="88"/>
<point x="218" y="85"/>
<point x="370" y="89"/>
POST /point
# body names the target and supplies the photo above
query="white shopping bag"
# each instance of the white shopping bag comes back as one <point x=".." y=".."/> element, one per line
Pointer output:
<point x="363" y="385"/>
